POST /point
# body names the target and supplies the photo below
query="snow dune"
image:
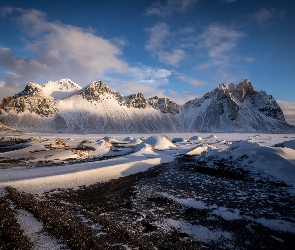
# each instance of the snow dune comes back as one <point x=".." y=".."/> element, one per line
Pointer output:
<point x="277" y="162"/>
<point x="39" y="180"/>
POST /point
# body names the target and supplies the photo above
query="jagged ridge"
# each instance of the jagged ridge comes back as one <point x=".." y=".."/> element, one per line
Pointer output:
<point x="98" y="108"/>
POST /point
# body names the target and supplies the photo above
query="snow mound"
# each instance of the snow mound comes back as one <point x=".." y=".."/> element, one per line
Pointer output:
<point x="288" y="144"/>
<point x="160" y="142"/>
<point x="196" y="138"/>
<point x="128" y="139"/>
<point x="275" y="163"/>
<point x="93" y="148"/>
<point x="58" y="143"/>
<point x="110" y="139"/>
<point x="221" y="142"/>
<point x="144" y="147"/>
<point x="212" y="137"/>
<point x="135" y="142"/>
<point x="179" y="140"/>
<point x="197" y="150"/>
<point x="104" y="144"/>
<point x="243" y="145"/>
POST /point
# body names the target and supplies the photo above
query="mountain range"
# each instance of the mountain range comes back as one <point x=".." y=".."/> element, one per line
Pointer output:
<point x="64" y="106"/>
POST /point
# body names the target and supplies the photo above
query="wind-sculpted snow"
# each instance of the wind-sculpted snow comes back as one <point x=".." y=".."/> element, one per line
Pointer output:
<point x="160" y="142"/>
<point x="63" y="106"/>
<point x="227" y="190"/>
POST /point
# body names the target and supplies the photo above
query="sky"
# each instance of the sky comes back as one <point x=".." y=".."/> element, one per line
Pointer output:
<point x="178" y="49"/>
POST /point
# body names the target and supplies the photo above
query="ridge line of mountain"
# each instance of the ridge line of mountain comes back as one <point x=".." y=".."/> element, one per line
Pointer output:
<point x="233" y="107"/>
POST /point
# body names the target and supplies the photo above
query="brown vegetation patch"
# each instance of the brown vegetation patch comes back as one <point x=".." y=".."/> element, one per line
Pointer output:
<point x="58" y="143"/>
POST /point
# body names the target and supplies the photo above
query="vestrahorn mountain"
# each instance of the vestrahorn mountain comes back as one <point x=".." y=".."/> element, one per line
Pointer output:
<point x="64" y="106"/>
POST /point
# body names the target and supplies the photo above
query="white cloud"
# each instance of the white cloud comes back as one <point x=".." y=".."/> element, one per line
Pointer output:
<point x="142" y="74"/>
<point x="265" y="17"/>
<point x="288" y="109"/>
<point x="8" y="91"/>
<point x="59" y="50"/>
<point x="249" y="59"/>
<point x="149" y="81"/>
<point x="171" y="58"/>
<point x="190" y="95"/>
<point x="128" y="88"/>
<point x="217" y="43"/>
<point x="158" y="34"/>
<point x="170" y="7"/>
<point x="192" y="81"/>
<point x="181" y="97"/>
<point x="20" y="69"/>
<point x="167" y="53"/>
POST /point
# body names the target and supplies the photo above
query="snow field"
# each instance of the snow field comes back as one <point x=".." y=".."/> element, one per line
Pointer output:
<point x="277" y="162"/>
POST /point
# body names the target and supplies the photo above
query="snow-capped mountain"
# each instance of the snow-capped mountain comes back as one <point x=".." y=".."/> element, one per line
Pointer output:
<point x="60" y="89"/>
<point x="98" y="109"/>
<point x="234" y="107"/>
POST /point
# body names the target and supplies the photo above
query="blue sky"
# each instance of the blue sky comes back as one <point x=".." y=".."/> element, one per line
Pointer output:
<point x="179" y="49"/>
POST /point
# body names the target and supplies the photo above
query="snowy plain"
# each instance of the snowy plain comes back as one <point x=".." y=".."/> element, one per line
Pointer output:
<point x="265" y="157"/>
<point x="41" y="179"/>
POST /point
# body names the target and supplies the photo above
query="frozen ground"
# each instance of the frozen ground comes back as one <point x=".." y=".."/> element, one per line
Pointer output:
<point x="223" y="190"/>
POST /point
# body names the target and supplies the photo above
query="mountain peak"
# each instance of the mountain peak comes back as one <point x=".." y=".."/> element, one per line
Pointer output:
<point x="63" y="84"/>
<point x="31" y="89"/>
<point x="61" y="88"/>
<point x="99" y="86"/>
<point x="242" y="89"/>
<point x="94" y="90"/>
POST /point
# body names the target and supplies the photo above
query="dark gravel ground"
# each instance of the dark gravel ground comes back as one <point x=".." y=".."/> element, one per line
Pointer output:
<point x="11" y="234"/>
<point x="184" y="204"/>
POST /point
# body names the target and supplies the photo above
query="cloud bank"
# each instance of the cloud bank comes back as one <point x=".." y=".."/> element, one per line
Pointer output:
<point x="265" y="17"/>
<point x="57" y="50"/>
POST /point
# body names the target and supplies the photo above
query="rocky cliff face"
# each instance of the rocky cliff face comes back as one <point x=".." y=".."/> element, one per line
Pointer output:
<point x="136" y="101"/>
<point x="165" y="105"/>
<point x="32" y="99"/>
<point x="267" y="105"/>
<point x="31" y="89"/>
<point x="241" y="90"/>
<point x="97" y="91"/>
<point x="98" y="108"/>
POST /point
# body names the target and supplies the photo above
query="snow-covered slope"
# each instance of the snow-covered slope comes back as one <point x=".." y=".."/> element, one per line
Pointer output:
<point x="97" y="108"/>
<point x="63" y="106"/>
<point x="234" y="108"/>
<point x="61" y="89"/>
